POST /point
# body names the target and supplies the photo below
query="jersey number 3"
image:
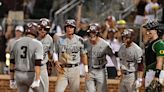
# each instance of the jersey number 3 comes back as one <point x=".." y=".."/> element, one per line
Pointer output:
<point x="24" y="54"/>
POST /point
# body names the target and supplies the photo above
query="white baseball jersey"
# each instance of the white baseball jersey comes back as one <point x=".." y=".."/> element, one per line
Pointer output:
<point x="47" y="42"/>
<point x="97" y="53"/>
<point x="25" y="51"/>
<point x="73" y="47"/>
<point x="129" y="57"/>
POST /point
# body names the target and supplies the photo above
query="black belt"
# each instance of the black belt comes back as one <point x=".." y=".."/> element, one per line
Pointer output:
<point x="127" y="72"/>
<point x="99" y="67"/>
<point x="69" y="65"/>
<point x="23" y="71"/>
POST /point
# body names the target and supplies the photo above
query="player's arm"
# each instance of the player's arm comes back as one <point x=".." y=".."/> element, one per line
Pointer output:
<point x="84" y="59"/>
<point x="112" y="56"/>
<point x="158" y="47"/>
<point x="38" y="58"/>
<point x="12" y="70"/>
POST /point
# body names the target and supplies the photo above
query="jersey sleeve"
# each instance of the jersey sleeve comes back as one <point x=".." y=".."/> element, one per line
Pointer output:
<point x="158" y="48"/>
<point x="83" y="46"/>
<point x="138" y="55"/>
<point x="39" y="51"/>
<point x="51" y="47"/>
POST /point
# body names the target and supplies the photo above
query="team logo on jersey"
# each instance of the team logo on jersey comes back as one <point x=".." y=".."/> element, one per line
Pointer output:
<point x="161" y="51"/>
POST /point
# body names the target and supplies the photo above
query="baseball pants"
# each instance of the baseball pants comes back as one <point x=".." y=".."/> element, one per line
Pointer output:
<point x="70" y="77"/>
<point x="24" y="81"/>
<point x="97" y="81"/>
<point x="127" y="83"/>
<point x="44" y="79"/>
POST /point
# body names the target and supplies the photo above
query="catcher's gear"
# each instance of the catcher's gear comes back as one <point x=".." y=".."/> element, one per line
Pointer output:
<point x="13" y="84"/>
<point x="94" y="28"/>
<point x="151" y="24"/>
<point x="155" y="86"/>
<point x="35" y="84"/>
<point x="154" y="25"/>
<point x="45" y="23"/>
<point x="32" y="28"/>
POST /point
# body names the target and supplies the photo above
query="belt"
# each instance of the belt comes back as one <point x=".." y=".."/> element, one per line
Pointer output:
<point x="98" y="67"/>
<point x="69" y="65"/>
<point x="23" y="71"/>
<point x="127" y="72"/>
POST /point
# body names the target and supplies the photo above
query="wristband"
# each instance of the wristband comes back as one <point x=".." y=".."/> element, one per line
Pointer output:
<point x="157" y="72"/>
<point x="55" y="57"/>
<point x="86" y="68"/>
<point x="11" y="70"/>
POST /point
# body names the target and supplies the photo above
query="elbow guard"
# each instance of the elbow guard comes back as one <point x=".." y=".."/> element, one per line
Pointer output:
<point x="12" y="61"/>
<point x="140" y="67"/>
<point x="38" y="62"/>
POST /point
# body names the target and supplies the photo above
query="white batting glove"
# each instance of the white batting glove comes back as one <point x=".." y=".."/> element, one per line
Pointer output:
<point x="35" y="84"/>
<point x="13" y="84"/>
<point x="138" y="82"/>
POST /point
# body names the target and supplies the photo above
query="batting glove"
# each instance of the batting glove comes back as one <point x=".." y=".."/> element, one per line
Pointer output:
<point x="138" y="82"/>
<point x="13" y="84"/>
<point x="35" y="84"/>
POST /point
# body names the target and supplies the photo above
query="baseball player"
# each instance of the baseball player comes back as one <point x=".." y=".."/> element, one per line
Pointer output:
<point x="97" y="49"/>
<point x="70" y="50"/>
<point x="154" y="55"/>
<point x="47" y="41"/>
<point x="130" y="55"/>
<point x="26" y="57"/>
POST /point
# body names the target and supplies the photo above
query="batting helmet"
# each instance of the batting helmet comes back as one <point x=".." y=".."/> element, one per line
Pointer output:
<point x="128" y="33"/>
<point x="70" y="22"/>
<point x="94" y="28"/>
<point x="32" y="28"/>
<point x="44" y="23"/>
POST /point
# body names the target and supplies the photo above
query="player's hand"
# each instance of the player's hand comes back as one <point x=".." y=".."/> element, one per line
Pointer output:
<point x="86" y="75"/>
<point x="59" y="68"/>
<point x="138" y="82"/>
<point x="119" y="74"/>
<point x="35" y="84"/>
<point x="13" y="84"/>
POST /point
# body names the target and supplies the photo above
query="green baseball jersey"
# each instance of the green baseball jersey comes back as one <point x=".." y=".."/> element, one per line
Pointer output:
<point x="25" y="51"/>
<point x="158" y="48"/>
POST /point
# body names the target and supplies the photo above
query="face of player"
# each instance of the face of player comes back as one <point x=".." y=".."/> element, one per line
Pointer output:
<point x="70" y="30"/>
<point x="42" y="32"/>
<point x="126" y="40"/>
<point x="92" y="36"/>
<point x="151" y="34"/>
